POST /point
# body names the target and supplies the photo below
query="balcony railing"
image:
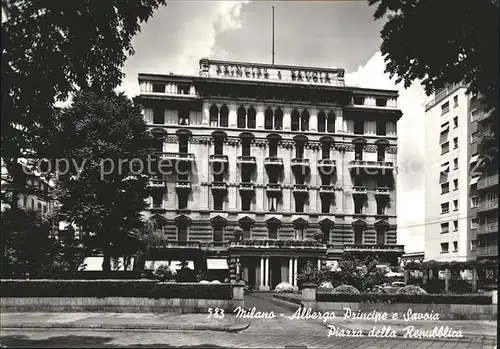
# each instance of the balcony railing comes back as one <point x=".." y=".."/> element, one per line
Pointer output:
<point x="487" y="250"/>
<point x="359" y="190"/>
<point x="370" y="247"/>
<point x="382" y="191"/>
<point x="273" y="161"/>
<point x="326" y="189"/>
<point x="157" y="183"/>
<point x="274" y="187"/>
<point x="484" y="116"/>
<point x="183" y="185"/>
<point x="326" y="163"/>
<point x="442" y="95"/>
<point x="487" y="182"/>
<point x="488" y="228"/>
<point x="487" y="205"/>
<point x="247" y="187"/>
<point x="219" y="186"/>
<point x="178" y="156"/>
<point x="295" y="244"/>
<point x="300" y="162"/>
<point x="246" y="160"/>
<point x="300" y="189"/>
<point x="182" y="244"/>
<point x="381" y="165"/>
<point x="218" y="158"/>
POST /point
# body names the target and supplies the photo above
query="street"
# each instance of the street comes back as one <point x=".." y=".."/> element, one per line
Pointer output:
<point x="263" y="333"/>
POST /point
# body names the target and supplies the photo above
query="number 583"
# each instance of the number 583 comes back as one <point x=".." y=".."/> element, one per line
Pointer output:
<point x="217" y="313"/>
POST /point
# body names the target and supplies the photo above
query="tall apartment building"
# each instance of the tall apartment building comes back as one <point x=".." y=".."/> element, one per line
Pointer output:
<point x="452" y="184"/>
<point x="281" y="152"/>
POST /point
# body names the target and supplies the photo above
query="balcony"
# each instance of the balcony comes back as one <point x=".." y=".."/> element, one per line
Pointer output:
<point x="487" y="205"/>
<point x="219" y="186"/>
<point x="382" y="191"/>
<point x="371" y="165"/>
<point x="373" y="247"/>
<point x="326" y="164"/>
<point x="157" y="183"/>
<point x="177" y="156"/>
<point x="273" y="162"/>
<point x="487" y="182"/>
<point x="300" y="162"/>
<point x="218" y="158"/>
<point x="250" y="160"/>
<point x="359" y="190"/>
<point x="300" y="189"/>
<point x="247" y="187"/>
<point x="183" y="185"/>
<point x="484" y="116"/>
<point x="217" y="246"/>
<point x="182" y="244"/>
<point x="327" y="189"/>
<point x="484" y="251"/>
<point x="488" y="228"/>
<point x="274" y="189"/>
<point x="292" y="244"/>
<point x="155" y="208"/>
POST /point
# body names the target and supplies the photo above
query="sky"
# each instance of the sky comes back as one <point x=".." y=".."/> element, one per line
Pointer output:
<point x="336" y="34"/>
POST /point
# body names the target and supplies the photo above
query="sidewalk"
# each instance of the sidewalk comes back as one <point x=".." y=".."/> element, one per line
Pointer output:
<point x="192" y="322"/>
<point x="469" y="328"/>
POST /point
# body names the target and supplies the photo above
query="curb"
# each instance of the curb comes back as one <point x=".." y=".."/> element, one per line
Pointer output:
<point x="171" y="327"/>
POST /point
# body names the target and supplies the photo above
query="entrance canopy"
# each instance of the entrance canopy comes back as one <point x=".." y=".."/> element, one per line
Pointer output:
<point x="217" y="264"/>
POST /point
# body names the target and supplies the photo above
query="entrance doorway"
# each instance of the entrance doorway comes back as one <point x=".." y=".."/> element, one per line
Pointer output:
<point x="275" y="271"/>
<point x="252" y="276"/>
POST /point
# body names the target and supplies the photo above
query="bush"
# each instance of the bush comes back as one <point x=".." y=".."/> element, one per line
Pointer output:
<point x="284" y="287"/>
<point x="460" y="286"/>
<point x="434" y="286"/>
<point x="480" y="299"/>
<point x="411" y="290"/>
<point x="325" y="287"/>
<point x="164" y="273"/>
<point x="113" y="288"/>
<point x="345" y="289"/>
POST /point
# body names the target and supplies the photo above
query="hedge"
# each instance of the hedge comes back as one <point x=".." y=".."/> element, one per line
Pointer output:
<point x="113" y="288"/>
<point x="480" y="299"/>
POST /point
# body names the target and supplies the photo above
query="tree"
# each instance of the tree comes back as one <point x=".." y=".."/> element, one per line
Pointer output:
<point x="105" y="138"/>
<point x="462" y="47"/>
<point x="51" y="49"/>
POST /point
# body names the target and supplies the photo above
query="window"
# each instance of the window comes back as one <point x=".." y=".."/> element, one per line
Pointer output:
<point x="33" y="203"/>
<point x="182" y="200"/>
<point x="183" y="145"/>
<point x="445" y="147"/>
<point x="358" y="206"/>
<point x="455" y="143"/>
<point x="359" y="127"/>
<point x="381" y="128"/>
<point x="325" y="151"/>
<point x="455" y="163"/>
<point x="455" y="101"/>
<point x="183" y="117"/>
<point x="381" y="152"/>
<point x="455" y="184"/>
<point x="246" y="201"/>
<point x="295" y="120"/>
<point x="321" y="122"/>
<point x="214" y="116"/>
<point x="218" y="146"/>
<point x="330" y="126"/>
<point x="359" y="100"/>
<point x="183" y="89"/>
<point x="247" y="231"/>
<point x="445" y="208"/>
<point x="455" y="122"/>
<point x="455" y="246"/>
<point x="299" y="203"/>
<point x="381" y="102"/>
<point x="473" y="245"/>
<point x="157" y="200"/>
<point x="25" y="200"/>
<point x="158" y="116"/>
<point x="273" y="231"/>
<point x="251" y="118"/>
<point x="246" y="176"/>
<point x="445" y="108"/>
<point x="299" y="150"/>
<point x="246" y="148"/>
<point x="182" y="233"/>
<point x="218" y="202"/>
<point x="473" y="137"/>
<point x="273" y="148"/>
<point x="268" y="119"/>
<point x="325" y="229"/>
<point x="159" y="87"/>
<point x="455" y="205"/>
<point x="474" y="114"/>
<point x="304" y="118"/>
<point x="455" y="225"/>
<point x="278" y="119"/>
<point x="380" y="237"/>
<point x="242" y="115"/>
<point x="325" y="204"/>
<point x="474" y="223"/>
<point x="358" y="236"/>
<point x="299" y="233"/>
<point x="39" y="206"/>
<point x="445" y="228"/>
<point x="182" y="171"/>
<point x="224" y="116"/>
<point x="358" y="151"/>
<point x="272" y="204"/>
<point x="218" y="233"/>
<point x="474" y="201"/>
<point x="445" y="188"/>
<point x="444" y="247"/>
<point x="381" y="207"/>
<point x="44" y="209"/>
<point x="445" y="167"/>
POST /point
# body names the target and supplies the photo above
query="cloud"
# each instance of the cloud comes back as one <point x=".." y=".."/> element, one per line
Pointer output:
<point x="411" y="147"/>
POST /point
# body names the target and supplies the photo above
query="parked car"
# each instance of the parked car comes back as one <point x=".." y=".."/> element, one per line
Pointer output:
<point x="394" y="287"/>
<point x="247" y="288"/>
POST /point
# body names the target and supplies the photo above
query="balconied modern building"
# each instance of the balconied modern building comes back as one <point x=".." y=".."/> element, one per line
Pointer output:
<point x="281" y="152"/>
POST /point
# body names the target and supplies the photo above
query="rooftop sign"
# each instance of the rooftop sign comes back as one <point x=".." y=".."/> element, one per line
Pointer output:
<point x="271" y="73"/>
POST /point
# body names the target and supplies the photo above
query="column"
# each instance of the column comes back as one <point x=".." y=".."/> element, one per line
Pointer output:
<point x="232" y="115"/>
<point x="391" y="128"/>
<point x="238" y="269"/>
<point x="313" y="120"/>
<point x="206" y="114"/>
<point x="319" y="263"/>
<point x="349" y="126"/>
<point x="295" y="260"/>
<point x="339" y="121"/>
<point x="259" y="122"/>
<point x="369" y="127"/>
<point x="266" y="275"/>
<point x="287" y="119"/>
<point x="261" y="274"/>
<point x="290" y="271"/>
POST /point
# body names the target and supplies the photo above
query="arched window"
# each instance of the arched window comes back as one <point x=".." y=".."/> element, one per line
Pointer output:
<point x="242" y="117"/>
<point x="224" y="116"/>
<point x="214" y="116"/>
<point x="251" y="118"/>
<point x="321" y="121"/>
<point x="278" y="119"/>
<point x="331" y="122"/>
<point x="304" y="121"/>
<point x="295" y="120"/>
<point x="268" y="119"/>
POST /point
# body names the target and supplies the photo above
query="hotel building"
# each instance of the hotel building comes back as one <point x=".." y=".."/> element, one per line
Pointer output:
<point x="278" y="154"/>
